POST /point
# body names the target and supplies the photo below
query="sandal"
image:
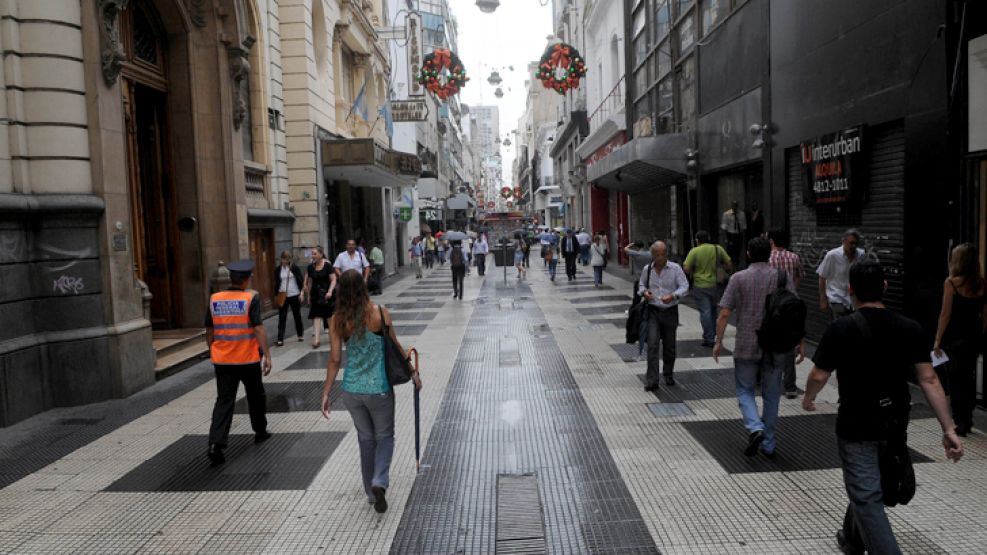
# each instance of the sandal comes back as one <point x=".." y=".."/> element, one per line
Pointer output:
<point x="316" y="345"/>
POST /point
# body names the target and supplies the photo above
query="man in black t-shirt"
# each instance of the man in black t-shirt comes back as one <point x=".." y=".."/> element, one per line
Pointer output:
<point x="874" y="360"/>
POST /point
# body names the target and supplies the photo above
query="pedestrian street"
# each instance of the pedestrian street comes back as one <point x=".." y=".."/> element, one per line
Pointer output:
<point x="537" y="436"/>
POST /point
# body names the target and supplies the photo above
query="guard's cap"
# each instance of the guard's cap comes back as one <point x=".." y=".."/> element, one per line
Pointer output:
<point x="241" y="268"/>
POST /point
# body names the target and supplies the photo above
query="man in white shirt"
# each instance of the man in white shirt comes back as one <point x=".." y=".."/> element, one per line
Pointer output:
<point x="584" y="243"/>
<point x="834" y="275"/>
<point x="350" y="259"/>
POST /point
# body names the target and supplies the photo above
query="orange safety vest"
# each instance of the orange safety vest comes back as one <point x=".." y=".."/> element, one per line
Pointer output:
<point x="234" y="340"/>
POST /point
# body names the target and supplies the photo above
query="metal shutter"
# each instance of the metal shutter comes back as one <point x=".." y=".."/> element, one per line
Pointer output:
<point x="880" y="218"/>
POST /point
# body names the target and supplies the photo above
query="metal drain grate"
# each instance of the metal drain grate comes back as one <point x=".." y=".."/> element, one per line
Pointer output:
<point x="520" y="522"/>
<point x="663" y="410"/>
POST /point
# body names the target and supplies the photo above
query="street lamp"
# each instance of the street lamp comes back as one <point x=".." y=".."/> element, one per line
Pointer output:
<point x="487" y="6"/>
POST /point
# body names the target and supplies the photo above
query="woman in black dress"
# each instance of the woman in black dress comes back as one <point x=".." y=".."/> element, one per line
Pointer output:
<point x="320" y="282"/>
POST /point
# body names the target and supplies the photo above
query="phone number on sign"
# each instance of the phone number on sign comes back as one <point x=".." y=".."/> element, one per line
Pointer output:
<point x="831" y="186"/>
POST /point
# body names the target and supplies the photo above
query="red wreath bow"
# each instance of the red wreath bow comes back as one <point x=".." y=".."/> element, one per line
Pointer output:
<point x="560" y="56"/>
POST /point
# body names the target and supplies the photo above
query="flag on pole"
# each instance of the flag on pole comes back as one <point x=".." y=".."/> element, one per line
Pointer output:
<point x="361" y="100"/>
<point x="385" y="112"/>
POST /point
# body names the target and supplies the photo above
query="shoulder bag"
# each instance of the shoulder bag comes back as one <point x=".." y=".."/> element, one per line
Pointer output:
<point x="894" y="460"/>
<point x="722" y="276"/>
<point x="398" y="364"/>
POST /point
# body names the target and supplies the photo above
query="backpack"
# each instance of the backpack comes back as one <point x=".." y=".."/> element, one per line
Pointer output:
<point x="638" y="311"/>
<point x="783" y="325"/>
<point x="456" y="257"/>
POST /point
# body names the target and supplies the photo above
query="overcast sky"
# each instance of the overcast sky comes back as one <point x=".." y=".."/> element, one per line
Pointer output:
<point x="511" y="36"/>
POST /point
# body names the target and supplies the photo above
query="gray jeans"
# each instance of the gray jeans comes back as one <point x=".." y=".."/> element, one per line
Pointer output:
<point x="662" y="328"/>
<point x="373" y="417"/>
<point x="865" y="524"/>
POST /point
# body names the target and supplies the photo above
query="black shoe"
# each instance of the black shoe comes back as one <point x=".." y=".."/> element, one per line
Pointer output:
<point x="753" y="442"/>
<point x="845" y="546"/>
<point x="669" y="380"/>
<point x="261" y="437"/>
<point x="709" y="344"/>
<point x="963" y="429"/>
<point x="215" y="455"/>
<point x="380" y="502"/>
<point x="771" y="456"/>
<point x="653" y="387"/>
<point x="279" y="343"/>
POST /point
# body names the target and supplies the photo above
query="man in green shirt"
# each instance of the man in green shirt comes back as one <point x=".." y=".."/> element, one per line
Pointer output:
<point x="701" y="263"/>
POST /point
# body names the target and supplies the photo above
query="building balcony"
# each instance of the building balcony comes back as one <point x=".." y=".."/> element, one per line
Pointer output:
<point x="605" y="121"/>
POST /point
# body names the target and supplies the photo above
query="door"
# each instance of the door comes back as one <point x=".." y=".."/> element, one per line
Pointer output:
<point x="152" y="197"/>
<point x="262" y="253"/>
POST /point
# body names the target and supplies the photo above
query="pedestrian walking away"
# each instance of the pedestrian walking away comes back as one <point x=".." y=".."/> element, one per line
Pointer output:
<point x="585" y="240"/>
<point x="441" y="245"/>
<point x="367" y="394"/>
<point x="352" y="259"/>
<point x="480" y="250"/>
<point x="570" y="250"/>
<point x="551" y="261"/>
<point x="239" y="352"/>
<point x="702" y="263"/>
<point x="598" y="255"/>
<point x="526" y="248"/>
<point x="519" y="257"/>
<point x="874" y="353"/>
<point x="745" y="294"/>
<point x="784" y="259"/>
<point x="962" y="332"/>
<point x="376" y="258"/>
<point x="457" y="263"/>
<point x="289" y="284"/>
<point x="662" y="284"/>
<point x="320" y="284"/>
<point x="416" y="252"/>
<point x="834" y="272"/>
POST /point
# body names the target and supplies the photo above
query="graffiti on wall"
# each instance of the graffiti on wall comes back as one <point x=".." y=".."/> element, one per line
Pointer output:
<point x="68" y="284"/>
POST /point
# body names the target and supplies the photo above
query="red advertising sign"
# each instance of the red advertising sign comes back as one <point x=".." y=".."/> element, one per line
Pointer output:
<point x="617" y="141"/>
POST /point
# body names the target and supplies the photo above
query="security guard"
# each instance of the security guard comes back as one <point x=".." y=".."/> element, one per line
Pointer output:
<point x="237" y="339"/>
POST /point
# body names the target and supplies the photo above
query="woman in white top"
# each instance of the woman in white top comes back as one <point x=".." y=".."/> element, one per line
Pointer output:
<point x="288" y="281"/>
<point x="598" y="258"/>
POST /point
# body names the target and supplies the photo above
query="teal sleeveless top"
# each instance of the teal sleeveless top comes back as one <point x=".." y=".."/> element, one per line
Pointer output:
<point x="365" y="372"/>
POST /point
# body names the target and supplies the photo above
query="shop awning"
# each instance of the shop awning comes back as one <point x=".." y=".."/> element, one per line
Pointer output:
<point x="364" y="163"/>
<point x="643" y="163"/>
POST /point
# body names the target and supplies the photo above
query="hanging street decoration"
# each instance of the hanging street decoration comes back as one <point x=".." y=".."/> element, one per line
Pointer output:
<point x="507" y="142"/>
<point x="505" y="192"/>
<point x="510" y="204"/>
<point x="499" y="93"/>
<point x="518" y="192"/>
<point x="494" y="78"/>
<point x="442" y="73"/>
<point x="560" y="68"/>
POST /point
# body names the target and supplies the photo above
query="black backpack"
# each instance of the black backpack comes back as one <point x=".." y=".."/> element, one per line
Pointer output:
<point x="783" y="326"/>
<point x="638" y="311"/>
<point x="456" y="257"/>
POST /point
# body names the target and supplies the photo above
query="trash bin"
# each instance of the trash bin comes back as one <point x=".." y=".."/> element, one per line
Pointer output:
<point x="503" y="256"/>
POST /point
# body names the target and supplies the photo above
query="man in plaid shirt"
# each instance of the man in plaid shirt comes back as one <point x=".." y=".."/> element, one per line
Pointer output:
<point x="784" y="259"/>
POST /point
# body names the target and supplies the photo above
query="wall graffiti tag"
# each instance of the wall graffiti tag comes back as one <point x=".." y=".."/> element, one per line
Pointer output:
<point x="68" y="284"/>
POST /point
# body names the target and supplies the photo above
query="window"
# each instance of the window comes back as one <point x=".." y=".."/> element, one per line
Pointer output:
<point x="665" y="96"/>
<point x="641" y="81"/>
<point x="640" y="48"/>
<point x="640" y="19"/>
<point x="347" y="78"/>
<point x="681" y="7"/>
<point x="686" y="34"/>
<point x="662" y="20"/>
<point x="662" y="60"/>
<point x="642" y="108"/>
<point x="686" y="83"/>
<point x="714" y="11"/>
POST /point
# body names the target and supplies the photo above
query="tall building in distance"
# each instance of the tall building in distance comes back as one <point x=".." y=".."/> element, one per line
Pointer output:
<point x="486" y="146"/>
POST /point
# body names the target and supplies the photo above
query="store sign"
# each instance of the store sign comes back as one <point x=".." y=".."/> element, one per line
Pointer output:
<point x="405" y="213"/>
<point x="409" y="110"/>
<point x="615" y="143"/>
<point x="414" y="27"/>
<point x="827" y="167"/>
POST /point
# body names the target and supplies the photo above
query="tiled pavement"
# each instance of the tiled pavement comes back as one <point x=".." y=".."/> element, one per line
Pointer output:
<point x="537" y="436"/>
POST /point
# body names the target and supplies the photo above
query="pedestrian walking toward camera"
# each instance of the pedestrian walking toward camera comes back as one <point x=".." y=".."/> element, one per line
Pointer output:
<point x="367" y="393"/>
<point x="352" y="259"/>
<point x="834" y="272"/>
<point x="569" y="249"/>
<point x="745" y="294"/>
<point x="585" y="240"/>
<point x="376" y="258"/>
<point x="598" y="258"/>
<point x="784" y="259"/>
<point x="551" y="260"/>
<point x="480" y="250"/>
<point x="320" y="283"/>
<point x="429" y="250"/>
<point x="702" y="263"/>
<point x="519" y="257"/>
<point x="962" y="331"/>
<point x="457" y="263"/>
<point x="239" y="352"/>
<point x="416" y="252"/>
<point x="441" y="246"/>
<point x="289" y="284"/>
<point x="875" y="352"/>
<point x="662" y="284"/>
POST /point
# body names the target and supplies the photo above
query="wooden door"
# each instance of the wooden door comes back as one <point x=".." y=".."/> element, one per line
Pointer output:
<point x="262" y="253"/>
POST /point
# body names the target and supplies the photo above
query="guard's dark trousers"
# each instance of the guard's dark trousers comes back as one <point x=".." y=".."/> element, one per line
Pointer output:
<point x="228" y="378"/>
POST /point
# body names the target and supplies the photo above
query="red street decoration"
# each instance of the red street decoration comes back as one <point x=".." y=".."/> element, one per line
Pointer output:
<point x="518" y="193"/>
<point x="491" y="204"/>
<point x="505" y="192"/>
<point x="442" y="73"/>
<point x="560" y="68"/>
<point x="510" y="204"/>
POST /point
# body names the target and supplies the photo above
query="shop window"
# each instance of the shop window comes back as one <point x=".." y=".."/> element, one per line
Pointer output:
<point x="662" y="22"/>
<point x="714" y="11"/>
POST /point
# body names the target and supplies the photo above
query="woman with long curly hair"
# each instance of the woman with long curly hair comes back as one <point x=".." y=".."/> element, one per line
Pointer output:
<point x="961" y="331"/>
<point x="367" y="394"/>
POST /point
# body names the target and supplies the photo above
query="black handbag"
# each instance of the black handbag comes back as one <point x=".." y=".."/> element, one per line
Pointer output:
<point x="398" y="365"/>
